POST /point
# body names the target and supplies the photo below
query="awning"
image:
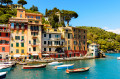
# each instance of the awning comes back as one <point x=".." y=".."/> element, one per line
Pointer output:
<point x="35" y="54"/>
<point x="45" y="54"/>
<point x="16" y="55"/>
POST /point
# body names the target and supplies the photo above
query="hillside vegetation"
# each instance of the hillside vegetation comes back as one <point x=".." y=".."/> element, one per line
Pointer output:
<point x="108" y="41"/>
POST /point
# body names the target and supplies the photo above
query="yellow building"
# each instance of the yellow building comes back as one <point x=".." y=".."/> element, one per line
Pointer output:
<point x="25" y="35"/>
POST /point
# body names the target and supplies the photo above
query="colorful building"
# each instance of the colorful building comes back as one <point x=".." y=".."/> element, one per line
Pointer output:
<point x="52" y="44"/>
<point x="25" y="35"/>
<point x="75" y="41"/>
<point x="4" y="41"/>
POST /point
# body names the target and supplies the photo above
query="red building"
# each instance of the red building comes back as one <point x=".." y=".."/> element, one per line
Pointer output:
<point x="4" y="41"/>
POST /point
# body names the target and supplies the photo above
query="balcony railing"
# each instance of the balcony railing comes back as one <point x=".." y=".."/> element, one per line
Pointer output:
<point x="4" y="30"/>
<point x="34" y="45"/>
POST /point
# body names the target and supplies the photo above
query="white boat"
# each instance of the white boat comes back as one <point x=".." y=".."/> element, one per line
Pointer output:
<point x="5" y="68"/>
<point x="2" y="75"/>
<point x="118" y="58"/>
<point x="55" y="63"/>
<point x="64" y="66"/>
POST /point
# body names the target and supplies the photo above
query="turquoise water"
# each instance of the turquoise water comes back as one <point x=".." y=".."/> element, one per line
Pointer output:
<point x="104" y="68"/>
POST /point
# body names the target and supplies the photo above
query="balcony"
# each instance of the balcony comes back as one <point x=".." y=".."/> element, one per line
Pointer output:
<point x="55" y="45"/>
<point x="34" y="45"/>
<point x="34" y="36"/>
<point x="5" y="30"/>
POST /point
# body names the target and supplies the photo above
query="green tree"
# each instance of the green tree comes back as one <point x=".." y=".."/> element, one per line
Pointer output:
<point x="34" y="8"/>
<point x="118" y="38"/>
<point x="46" y="12"/>
<point x="22" y="2"/>
<point x="68" y="15"/>
<point x="8" y="1"/>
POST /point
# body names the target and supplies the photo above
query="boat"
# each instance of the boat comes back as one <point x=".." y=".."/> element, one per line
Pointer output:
<point x="118" y="58"/>
<point x="77" y="70"/>
<point x="2" y="75"/>
<point x="34" y="66"/>
<point x="8" y="63"/>
<point x="22" y="63"/>
<point x="64" y="66"/>
<point x="5" y="68"/>
<point x="55" y="63"/>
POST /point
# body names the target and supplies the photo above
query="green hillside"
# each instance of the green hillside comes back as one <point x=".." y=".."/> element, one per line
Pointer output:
<point x="107" y="40"/>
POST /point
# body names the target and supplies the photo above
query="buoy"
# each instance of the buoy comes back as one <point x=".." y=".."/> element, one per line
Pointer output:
<point x="36" y="74"/>
<point x="85" y="77"/>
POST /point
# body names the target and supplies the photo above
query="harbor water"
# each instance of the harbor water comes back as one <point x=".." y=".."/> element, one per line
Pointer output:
<point x="104" y="68"/>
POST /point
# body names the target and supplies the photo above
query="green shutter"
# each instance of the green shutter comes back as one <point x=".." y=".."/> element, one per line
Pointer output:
<point x="17" y="50"/>
<point x="17" y="44"/>
<point x="22" y="37"/>
<point x="22" y="50"/>
<point x="11" y="45"/>
<point x="22" y="44"/>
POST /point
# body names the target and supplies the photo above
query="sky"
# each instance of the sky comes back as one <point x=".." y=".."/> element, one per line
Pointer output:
<point x="97" y="13"/>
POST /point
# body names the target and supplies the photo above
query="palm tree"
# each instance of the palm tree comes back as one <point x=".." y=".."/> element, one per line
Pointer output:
<point x="22" y="2"/>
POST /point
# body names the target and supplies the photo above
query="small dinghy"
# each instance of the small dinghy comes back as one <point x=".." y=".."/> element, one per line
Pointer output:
<point x="2" y="75"/>
<point x="64" y="66"/>
<point x="22" y="63"/>
<point x="34" y="66"/>
<point x="55" y="63"/>
<point x="77" y="70"/>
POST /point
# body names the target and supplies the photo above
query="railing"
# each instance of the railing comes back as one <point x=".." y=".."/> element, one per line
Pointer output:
<point x="4" y="30"/>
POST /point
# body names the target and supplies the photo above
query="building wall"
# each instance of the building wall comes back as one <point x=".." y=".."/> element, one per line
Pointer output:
<point x="13" y="41"/>
<point x="4" y="40"/>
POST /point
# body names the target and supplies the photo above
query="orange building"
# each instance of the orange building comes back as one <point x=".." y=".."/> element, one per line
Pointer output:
<point x="4" y="41"/>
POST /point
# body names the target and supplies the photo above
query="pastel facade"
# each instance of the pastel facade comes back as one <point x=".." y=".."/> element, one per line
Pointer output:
<point x="75" y="41"/>
<point x="52" y="43"/>
<point x="4" y="41"/>
<point x="26" y="28"/>
<point x="93" y="50"/>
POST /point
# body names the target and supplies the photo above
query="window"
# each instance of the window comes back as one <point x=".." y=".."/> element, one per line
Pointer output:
<point x="17" y="37"/>
<point x="79" y="48"/>
<point x="68" y="48"/>
<point x="49" y="49"/>
<point x="31" y="16"/>
<point x="17" y="24"/>
<point x="22" y="51"/>
<point x="79" y="43"/>
<point x="22" y="44"/>
<point x="74" y="48"/>
<point x="68" y="42"/>
<point x="44" y="49"/>
<point x="44" y="42"/>
<point x="20" y="15"/>
<point x="17" y="50"/>
<point x="75" y="42"/>
<point x="3" y="48"/>
<point x="44" y="35"/>
<point x="84" y="31"/>
<point x="0" y="34"/>
<point x="56" y="36"/>
<point x="29" y="49"/>
<point x="29" y="42"/>
<point x="11" y="51"/>
<point x="22" y="24"/>
<point x="37" y="17"/>
<point x="84" y="37"/>
<point x="17" y="44"/>
<point x="49" y="35"/>
<point x="6" y="34"/>
<point x="34" y="48"/>
<point x="84" y="48"/>
<point x="22" y="37"/>
<point x="27" y="16"/>
<point x="11" y="45"/>
<point x="12" y="25"/>
<point x="84" y="42"/>
<point x="68" y="35"/>
<point x="19" y="11"/>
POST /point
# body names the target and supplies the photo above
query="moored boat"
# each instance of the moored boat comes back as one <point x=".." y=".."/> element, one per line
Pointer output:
<point x="118" y="58"/>
<point x="55" y="63"/>
<point x="64" y="66"/>
<point x="5" y="68"/>
<point x="2" y="75"/>
<point x="22" y="63"/>
<point x="34" y="66"/>
<point x="77" y="70"/>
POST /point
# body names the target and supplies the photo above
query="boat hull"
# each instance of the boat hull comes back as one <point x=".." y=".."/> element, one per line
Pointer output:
<point x="77" y="70"/>
<point x="2" y="75"/>
<point x="33" y="67"/>
<point x="53" y="64"/>
<point x="5" y="69"/>
<point x="64" y="67"/>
